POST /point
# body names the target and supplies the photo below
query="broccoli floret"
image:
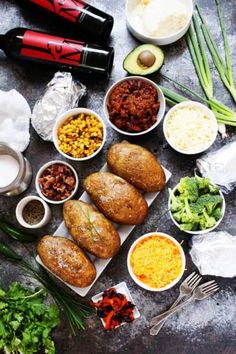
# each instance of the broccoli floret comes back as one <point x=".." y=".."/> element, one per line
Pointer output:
<point x="186" y="219"/>
<point x="188" y="188"/>
<point x="188" y="216"/>
<point x="186" y="227"/>
<point x="178" y="215"/>
<point x="206" y="201"/>
<point x="217" y="213"/>
<point x="203" y="183"/>
<point x="213" y="189"/>
<point x="202" y="222"/>
<point x="175" y="203"/>
<point x="210" y="220"/>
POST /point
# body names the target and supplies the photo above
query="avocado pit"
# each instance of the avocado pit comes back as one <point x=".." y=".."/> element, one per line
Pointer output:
<point x="146" y="58"/>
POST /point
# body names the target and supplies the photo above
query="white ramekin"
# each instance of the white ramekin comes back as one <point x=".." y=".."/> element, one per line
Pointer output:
<point x="200" y="232"/>
<point x="160" y="113"/>
<point x="74" y="112"/>
<point x="41" y="170"/>
<point x="192" y="104"/>
<point x="145" y="286"/>
<point x="158" y="40"/>
<point x="20" y="207"/>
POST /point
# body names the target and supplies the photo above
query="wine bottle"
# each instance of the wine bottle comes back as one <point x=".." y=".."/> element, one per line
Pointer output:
<point x="68" y="54"/>
<point x="84" y="16"/>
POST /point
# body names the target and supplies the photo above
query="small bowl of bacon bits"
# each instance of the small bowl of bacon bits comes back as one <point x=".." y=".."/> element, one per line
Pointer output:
<point x="56" y="182"/>
<point x="115" y="306"/>
<point x="134" y="106"/>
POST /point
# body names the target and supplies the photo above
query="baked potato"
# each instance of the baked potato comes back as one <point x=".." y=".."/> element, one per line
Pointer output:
<point x="136" y="165"/>
<point x="90" y="229"/>
<point x="116" y="198"/>
<point x="66" y="260"/>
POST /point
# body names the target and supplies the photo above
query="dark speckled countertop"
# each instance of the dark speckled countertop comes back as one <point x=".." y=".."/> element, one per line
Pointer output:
<point x="208" y="327"/>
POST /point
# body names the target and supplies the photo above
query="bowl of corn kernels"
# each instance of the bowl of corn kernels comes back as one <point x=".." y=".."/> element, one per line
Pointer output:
<point x="79" y="134"/>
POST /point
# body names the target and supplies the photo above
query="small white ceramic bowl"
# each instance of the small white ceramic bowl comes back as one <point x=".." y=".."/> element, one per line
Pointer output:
<point x="191" y="104"/>
<point x="200" y="232"/>
<point x="145" y="286"/>
<point x="74" y="112"/>
<point x="160" y="113"/>
<point x="41" y="170"/>
<point x="158" y="40"/>
<point x="20" y="207"/>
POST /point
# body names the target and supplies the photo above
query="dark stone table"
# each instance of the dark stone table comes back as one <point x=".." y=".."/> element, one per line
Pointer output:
<point x="202" y="328"/>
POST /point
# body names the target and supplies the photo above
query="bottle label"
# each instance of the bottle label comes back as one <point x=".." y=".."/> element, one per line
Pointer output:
<point x="52" y="48"/>
<point x="69" y="9"/>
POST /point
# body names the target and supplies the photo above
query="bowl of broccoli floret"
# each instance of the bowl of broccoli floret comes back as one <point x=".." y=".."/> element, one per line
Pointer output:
<point x="196" y="205"/>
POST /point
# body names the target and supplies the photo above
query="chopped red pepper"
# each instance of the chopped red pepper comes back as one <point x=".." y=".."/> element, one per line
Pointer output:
<point x="114" y="309"/>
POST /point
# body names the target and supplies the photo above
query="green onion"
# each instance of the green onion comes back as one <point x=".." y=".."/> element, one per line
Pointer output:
<point x="16" y="233"/>
<point x="226" y="44"/>
<point x="9" y="252"/>
<point x="223" y="114"/>
<point x="224" y="68"/>
<point x="199" y="58"/>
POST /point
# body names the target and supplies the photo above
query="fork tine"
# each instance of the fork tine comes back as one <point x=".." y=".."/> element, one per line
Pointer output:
<point x="207" y="284"/>
<point x="195" y="284"/>
<point x="211" y="288"/>
<point x="196" y="278"/>
<point x="190" y="277"/>
<point x="212" y="291"/>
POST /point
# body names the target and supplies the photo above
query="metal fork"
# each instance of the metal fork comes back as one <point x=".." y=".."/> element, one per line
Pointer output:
<point x="186" y="288"/>
<point x="200" y="293"/>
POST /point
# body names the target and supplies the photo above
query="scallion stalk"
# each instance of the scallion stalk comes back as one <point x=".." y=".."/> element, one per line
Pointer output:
<point x="224" y="68"/>
<point x="173" y="98"/>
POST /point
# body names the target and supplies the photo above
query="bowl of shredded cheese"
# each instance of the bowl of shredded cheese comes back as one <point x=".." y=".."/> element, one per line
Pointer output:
<point x="190" y="127"/>
<point x="156" y="261"/>
<point x="158" y="22"/>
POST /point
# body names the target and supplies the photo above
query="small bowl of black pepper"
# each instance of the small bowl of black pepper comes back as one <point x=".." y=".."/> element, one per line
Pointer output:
<point x="32" y="212"/>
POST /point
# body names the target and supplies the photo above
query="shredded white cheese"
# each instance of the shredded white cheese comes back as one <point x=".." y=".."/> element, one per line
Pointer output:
<point x="190" y="129"/>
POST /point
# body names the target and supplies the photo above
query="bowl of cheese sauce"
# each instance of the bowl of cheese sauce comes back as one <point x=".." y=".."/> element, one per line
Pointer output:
<point x="156" y="261"/>
<point x="190" y="127"/>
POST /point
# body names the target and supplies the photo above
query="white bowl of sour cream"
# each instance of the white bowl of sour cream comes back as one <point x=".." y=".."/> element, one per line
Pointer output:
<point x="190" y="127"/>
<point x="158" y="22"/>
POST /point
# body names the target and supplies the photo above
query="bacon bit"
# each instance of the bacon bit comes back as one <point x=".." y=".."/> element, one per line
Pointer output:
<point x="57" y="182"/>
<point x="114" y="309"/>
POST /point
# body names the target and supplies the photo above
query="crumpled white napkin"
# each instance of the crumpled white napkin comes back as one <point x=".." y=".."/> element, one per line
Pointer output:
<point x="215" y="254"/>
<point x="14" y="120"/>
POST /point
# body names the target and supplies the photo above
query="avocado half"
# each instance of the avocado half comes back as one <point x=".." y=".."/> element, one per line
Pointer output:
<point x="144" y="60"/>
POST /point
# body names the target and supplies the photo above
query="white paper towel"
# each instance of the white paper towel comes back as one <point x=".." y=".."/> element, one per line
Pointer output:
<point x="215" y="254"/>
<point x="14" y="120"/>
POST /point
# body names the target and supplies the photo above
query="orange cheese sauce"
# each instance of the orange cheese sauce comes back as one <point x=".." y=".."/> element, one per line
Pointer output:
<point x="156" y="261"/>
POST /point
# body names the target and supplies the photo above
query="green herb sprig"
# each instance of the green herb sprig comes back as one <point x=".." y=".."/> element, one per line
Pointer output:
<point x="26" y="322"/>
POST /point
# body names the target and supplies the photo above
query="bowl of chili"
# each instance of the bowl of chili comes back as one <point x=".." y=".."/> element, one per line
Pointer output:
<point x="134" y="106"/>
